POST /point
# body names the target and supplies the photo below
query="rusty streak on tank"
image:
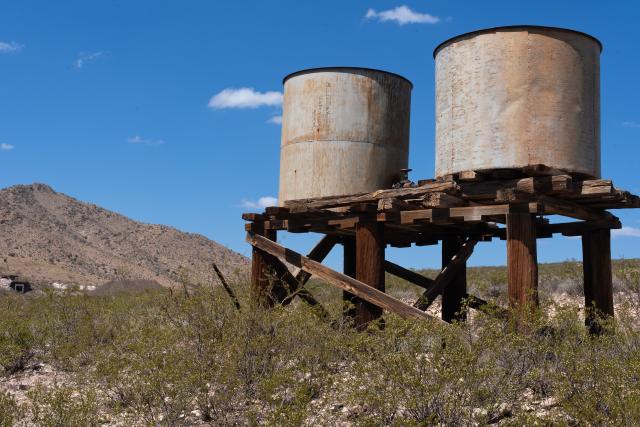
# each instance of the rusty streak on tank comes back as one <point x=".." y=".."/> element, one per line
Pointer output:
<point x="344" y="130"/>
<point x="510" y="97"/>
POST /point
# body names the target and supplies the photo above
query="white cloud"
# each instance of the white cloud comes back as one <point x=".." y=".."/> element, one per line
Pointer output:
<point x="626" y="232"/>
<point x="144" y="141"/>
<point x="86" y="57"/>
<point x="276" y="120"/>
<point x="631" y="124"/>
<point x="10" y="47"/>
<point x="6" y="147"/>
<point x="244" y="97"/>
<point x="263" y="202"/>
<point x="402" y="15"/>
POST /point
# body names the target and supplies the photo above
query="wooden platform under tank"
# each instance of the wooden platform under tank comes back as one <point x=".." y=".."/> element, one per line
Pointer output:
<point x="460" y="211"/>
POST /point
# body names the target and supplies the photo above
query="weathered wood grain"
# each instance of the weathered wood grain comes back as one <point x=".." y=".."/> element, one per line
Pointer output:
<point x="598" y="287"/>
<point x="522" y="260"/>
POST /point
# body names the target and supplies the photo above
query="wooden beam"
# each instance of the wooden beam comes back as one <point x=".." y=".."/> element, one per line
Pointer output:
<point x="408" y="275"/>
<point x="266" y="290"/>
<point x="598" y="287"/>
<point x="349" y="269"/>
<point x="522" y="261"/>
<point x="442" y="200"/>
<point x="334" y="278"/>
<point x="456" y="263"/>
<point x="454" y="293"/>
<point x="318" y="253"/>
<point x="369" y="269"/>
<point x="577" y="228"/>
<point x="573" y="210"/>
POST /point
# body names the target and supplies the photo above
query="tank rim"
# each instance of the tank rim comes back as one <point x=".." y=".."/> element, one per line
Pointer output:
<point x="335" y="68"/>
<point x="513" y="27"/>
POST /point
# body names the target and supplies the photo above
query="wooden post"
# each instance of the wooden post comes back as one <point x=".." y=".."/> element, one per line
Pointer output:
<point x="456" y="291"/>
<point x="522" y="261"/>
<point x="262" y="275"/>
<point x="349" y="269"/>
<point x="369" y="268"/>
<point x="598" y="285"/>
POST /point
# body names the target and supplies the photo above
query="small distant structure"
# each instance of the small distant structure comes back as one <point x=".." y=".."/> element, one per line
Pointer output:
<point x="11" y="282"/>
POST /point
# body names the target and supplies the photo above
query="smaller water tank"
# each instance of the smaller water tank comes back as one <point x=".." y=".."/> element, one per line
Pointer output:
<point x="510" y="97"/>
<point x="344" y="131"/>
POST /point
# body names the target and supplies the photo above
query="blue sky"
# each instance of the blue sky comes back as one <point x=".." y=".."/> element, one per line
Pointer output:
<point x="113" y="102"/>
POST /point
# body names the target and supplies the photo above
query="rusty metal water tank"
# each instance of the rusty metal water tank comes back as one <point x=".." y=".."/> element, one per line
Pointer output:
<point x="344" y="130"/>
<point x="510" y="97"/>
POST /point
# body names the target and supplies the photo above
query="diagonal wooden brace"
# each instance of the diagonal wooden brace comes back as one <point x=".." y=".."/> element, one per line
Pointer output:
<point x="446" y="275"/>
<point x="334" y="278"/>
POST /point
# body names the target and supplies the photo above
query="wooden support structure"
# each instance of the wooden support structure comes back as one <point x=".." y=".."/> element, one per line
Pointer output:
<point x="522" y="261"/>
<point x="598" y="286"/>
<point x="458" y="210"/>
<point x="454" y="266"/>
<point x="369" y="269"/>
<point x="357" y="288"/>
<point x="349" y="269"/>
<point x="265" y="289"/>
<point x="454" y="294"/>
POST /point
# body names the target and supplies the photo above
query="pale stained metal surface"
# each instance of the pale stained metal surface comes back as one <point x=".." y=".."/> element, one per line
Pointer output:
<point x="510" y="98"/>
<point x="344" y="131"/>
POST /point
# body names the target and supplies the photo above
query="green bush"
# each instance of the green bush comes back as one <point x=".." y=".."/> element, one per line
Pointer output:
<point x="188" y="356"/>
<point x="63" y="406"/>
<point x="10" y="412"/>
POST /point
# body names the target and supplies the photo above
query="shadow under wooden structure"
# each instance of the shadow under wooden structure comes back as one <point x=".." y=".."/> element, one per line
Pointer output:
<point x="460" y="211"/>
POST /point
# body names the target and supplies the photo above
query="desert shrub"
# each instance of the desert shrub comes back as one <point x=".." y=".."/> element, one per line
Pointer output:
<point x="188" y="356"/>
<point x="16" y="338"/>
<point x="10" y="412"/>
<point x="63" y="406"/>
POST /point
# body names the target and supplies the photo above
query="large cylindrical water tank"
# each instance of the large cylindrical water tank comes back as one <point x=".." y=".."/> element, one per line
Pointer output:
<point x="511" y="97"/>
<point x="344" y="131"/>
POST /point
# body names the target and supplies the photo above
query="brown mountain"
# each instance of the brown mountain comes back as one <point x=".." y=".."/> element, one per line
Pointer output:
<point x="48" y="237"/>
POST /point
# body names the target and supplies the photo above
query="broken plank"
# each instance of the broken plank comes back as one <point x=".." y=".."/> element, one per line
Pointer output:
<point x="339" y="280"/>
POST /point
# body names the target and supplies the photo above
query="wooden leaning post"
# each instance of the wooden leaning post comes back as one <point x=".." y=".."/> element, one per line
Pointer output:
<point x="459" y="211"/>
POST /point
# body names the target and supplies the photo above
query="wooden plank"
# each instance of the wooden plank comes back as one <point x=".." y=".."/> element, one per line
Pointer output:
<point x="393" y="204"/>
<point x="573" y="210"/>
<point x="442" y="200"/>
<point x="334" y="278"/>
<point x="408" y="275"/>
<point x="577" y="228"/>
<point x="456" y="263"/>
<point x="598" y="287"/>
<point x="253" y="217"/>
<point x="454" y="293"/>
<point x="486" y="190"/>
<point x="400" y="193"/>
<point x="369" y="269"/>
<point x="522" y="261"/>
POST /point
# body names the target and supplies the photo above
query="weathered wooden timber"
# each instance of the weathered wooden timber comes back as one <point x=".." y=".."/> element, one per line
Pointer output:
<point x="461" y="210"/>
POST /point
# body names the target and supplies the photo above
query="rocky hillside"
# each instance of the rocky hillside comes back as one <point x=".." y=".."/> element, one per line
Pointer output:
<point x="48" y="237"/>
